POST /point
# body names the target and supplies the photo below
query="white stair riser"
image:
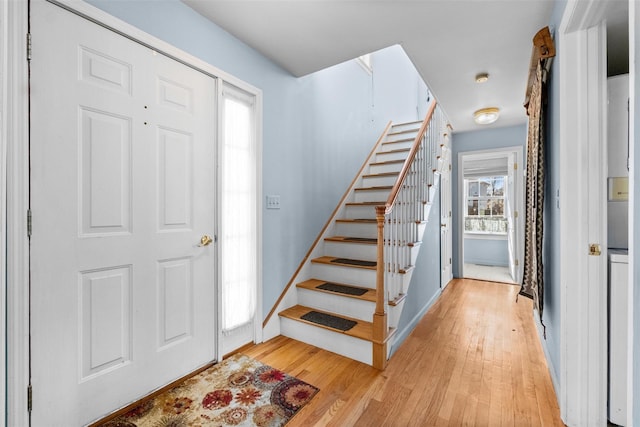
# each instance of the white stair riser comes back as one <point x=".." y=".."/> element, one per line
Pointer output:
<point x="385" y="156"/>
<point x="399" y="127"/>
<point x="396" y="145"/>
<point x="340" y="274"/>
<point x="338" y="304"/>
<point x="360" y="212"/>
<point x="336" y="342"/>
<point x="357" y="230"/>
<point x="379" y="181"/>
<point x="361" y="251"/>
<point x="384" y="168"/>
<point x="371" y="195"/>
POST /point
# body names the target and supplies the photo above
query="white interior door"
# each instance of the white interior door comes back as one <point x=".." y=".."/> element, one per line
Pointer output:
<point x="122" y="189"/>
<point x="511" y="214"/>
<point x="446" y="238"/>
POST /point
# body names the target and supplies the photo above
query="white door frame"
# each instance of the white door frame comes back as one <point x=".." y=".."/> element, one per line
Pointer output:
<point x="15" y="141"/>
<point x="519" y="196"/>
<point x="583" y="159"/>
<point x="14" y="137"/>
<point x="634" y="130"/>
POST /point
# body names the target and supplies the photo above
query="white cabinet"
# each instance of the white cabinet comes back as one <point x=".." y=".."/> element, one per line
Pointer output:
<point x="618" y="331"/>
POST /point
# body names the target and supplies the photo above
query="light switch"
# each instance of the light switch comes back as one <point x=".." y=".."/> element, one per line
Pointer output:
<point x="273" y="202"/>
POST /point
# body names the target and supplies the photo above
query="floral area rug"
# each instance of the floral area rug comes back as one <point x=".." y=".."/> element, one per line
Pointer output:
<point x="239" y="391"/>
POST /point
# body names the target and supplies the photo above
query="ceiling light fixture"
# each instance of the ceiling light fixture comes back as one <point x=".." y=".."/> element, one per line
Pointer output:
<point x="486" y="116"/>
<point x="482" y="77"/>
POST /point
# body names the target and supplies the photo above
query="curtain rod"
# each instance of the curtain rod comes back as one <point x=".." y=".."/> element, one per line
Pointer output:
<point x="543" y="48"/>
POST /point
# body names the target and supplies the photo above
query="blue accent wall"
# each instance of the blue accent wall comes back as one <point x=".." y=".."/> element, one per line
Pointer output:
<point x="486" y="251"/>
<point x="317" y="129"/>
<point x="551" y="235"/>
<point x="484" y="139"/>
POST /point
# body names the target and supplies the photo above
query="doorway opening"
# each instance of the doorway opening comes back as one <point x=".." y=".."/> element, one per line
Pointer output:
<point x="491" y="199"/>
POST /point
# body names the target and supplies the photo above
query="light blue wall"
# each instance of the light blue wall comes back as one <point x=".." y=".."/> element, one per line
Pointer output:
<point x="486" y="251"/>
<point x="317" y="130"/>
<point x="551" y="235"/>
<point x="485" y="139"/>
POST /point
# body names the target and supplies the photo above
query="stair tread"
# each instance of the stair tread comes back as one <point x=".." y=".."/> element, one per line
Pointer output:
<point x="406" y="123"/>
<point x="376" y="188"/>
<point x="362" y="329"/>
<point x="312" y="284"/>
<point x="398" y="150"/>
<point x="348" y="239"/>
<point x="337" y="261"/>
<point x="358" y="220"/>
<point x="366" y="203"/>
<point x="375" y="175"/>
<point x="396" y="141"/>
<point x="388" y="162"/>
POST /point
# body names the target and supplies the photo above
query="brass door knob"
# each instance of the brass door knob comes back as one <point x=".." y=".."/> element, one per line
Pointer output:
<point x="205" y="240"/>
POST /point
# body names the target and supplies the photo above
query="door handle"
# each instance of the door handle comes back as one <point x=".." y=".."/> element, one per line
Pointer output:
<point x="205" y="240"/>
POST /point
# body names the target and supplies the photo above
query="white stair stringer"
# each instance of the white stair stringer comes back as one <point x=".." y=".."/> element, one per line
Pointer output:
<point x="350" y="235"/>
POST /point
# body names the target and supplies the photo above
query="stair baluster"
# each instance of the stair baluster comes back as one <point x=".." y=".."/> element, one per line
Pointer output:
<point x="398" y="221"/>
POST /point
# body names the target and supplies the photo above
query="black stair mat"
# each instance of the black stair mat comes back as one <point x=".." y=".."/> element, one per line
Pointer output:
<point x="360" y="240"/>
<point x="354" y="262"/>
<point x="341" y="289"/>
<point x="324" y="319"/>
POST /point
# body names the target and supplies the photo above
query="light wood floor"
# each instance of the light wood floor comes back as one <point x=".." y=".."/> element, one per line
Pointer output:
<point x="474" y="359"/>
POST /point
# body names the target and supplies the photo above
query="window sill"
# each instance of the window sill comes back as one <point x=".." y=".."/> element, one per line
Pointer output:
<point x="485" y="236"/>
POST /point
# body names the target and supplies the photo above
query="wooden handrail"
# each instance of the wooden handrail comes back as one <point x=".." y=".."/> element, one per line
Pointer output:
<point x="393" y="195"/>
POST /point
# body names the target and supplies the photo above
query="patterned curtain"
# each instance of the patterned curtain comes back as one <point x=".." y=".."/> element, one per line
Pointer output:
<point x="532" y="285"/>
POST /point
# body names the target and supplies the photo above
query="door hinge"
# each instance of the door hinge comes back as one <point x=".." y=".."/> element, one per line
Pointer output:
<point x="28" y="46"/>
<point x="449" y="166"/>
<point x="29" y="223"/>
<point x="515" y="166"/>
<point x="29" y="398"/>
<point x="515" y="214"/>
<point x="449" y="260"/>
<point x="517" y="263"/>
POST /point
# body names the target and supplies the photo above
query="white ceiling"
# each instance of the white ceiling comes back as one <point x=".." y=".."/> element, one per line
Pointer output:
<point x="449" y="41"/>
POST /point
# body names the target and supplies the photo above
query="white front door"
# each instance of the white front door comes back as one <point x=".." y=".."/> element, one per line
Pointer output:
<point x="122" y="190"/>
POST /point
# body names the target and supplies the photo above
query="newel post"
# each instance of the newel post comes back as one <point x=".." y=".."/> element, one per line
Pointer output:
<point x="380" y="326"/>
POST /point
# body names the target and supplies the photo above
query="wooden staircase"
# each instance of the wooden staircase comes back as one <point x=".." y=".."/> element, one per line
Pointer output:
<point x="340" y="275"/>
